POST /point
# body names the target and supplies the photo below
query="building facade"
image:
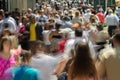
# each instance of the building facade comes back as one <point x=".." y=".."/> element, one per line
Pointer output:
<point x="104" y="3"/>
<point x="10" y="5"/>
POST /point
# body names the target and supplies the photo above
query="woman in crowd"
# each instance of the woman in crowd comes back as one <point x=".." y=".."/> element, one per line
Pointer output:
<point x="55" y="36"/>
<point x="22" y="24"/>
<point x="78" y="17"/>
<point x="46" y="34"/>
<point x="5" y="33"/>
<point x="6" y="58"/>
<point x="24" y="71"/>
<point x="94" y="19"/>
<point x="23" y="34"/>
<point x="82" y="67"/>
<point x="15" y="47"/>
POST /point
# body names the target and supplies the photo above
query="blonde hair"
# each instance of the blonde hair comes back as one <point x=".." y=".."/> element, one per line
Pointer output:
<point x="14" y="41"/>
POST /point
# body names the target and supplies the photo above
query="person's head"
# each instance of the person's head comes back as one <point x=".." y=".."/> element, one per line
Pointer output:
<point x="110" y="11"/>
<point x="6" y="32"/>
<point x="81" y="49"/>
<point x="108" y="8"/>
<point x="100" y="10"/>
<point x="58" y="25"/>
<point x="51" y="26"/>
<point x="17" y="19"/>
<point x="14" y="41"/>
<point x="88" y="11"/>
<point x="57" y="16"/>
<point x="78" y="32"/>
<point x="38" y="46"/>
<point x="35" y="11"/>
<point x="92" y="18"/>
<point x="51" y="20"/>
<point x="82" y="65"/>
<point x="70" y="12"/>
<point x="77" y="13"/>
<point x="23" y="11"/>
<point x="42" y="12"/>
<point x="24" y="20"/>
<point x="99" y="27"/>
<point x="32" y="19"/>
<point x="46" y="26"/>
<point x="29" y="11"/>
<point x="60" y="12"/>
<point x="1" y="14"/>
<point x="5" y="44"/>
<point x="25" y="57"/>
<point x="7" y="14"/>
<point x="116" y="40"/>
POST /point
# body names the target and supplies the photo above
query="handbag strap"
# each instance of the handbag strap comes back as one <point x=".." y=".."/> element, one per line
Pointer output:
<point x="5" y="66"/>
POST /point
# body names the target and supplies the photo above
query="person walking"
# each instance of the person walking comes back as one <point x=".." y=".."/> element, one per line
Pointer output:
<point x="35" y="30"/>
<point x="112" y="21"/>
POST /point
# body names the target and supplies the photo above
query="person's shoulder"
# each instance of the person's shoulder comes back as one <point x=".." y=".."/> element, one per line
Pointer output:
<point x="38" y="24"/>
<point x="106" y="53"/>
<point x="32" y="70"/>
<point x="11" y="70"/>
<point x="50" y="57"/>
<point x="28" y="24"/>
<point x="70" y="41"/>
<point x="10" y="20"/>
<point x="46" y="31"/>
<point x="32" y="73"/>
<point x="62" y="41"/>
<point x="28" y="71"/>
<point x="45" y="16"/>
<point x="64" y="60"/>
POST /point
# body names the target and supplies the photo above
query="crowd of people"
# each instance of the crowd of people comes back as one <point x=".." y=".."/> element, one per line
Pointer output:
<point x="70" y="40"/>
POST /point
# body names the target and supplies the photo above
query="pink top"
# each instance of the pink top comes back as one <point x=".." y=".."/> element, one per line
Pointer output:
<point x="86" y="78"/>
<point x="5" y="64"/>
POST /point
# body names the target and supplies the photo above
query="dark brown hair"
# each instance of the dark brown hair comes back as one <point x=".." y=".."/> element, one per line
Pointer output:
<point x="58" y="25"/>
<point x="46" y="26"/>
<point x="77" y="13"/>
<point x="36" y="45"/>
<point x="4" y="39"/>
<point x="93" y="18"/>
<point x="25" y="56"/>
<point x="78" y="32"/>
<point x="6" y="31"/>
<point x="82" y="65"/>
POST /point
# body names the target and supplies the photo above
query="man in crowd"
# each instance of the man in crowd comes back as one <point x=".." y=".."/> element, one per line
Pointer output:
<point x="112" y="21"/>
<point x="8" y="22"/>
<point x="109" y="61"/>
<point x="34" y="29"/>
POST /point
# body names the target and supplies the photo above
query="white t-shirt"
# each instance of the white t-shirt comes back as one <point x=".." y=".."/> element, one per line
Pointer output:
<point x="46" y="34"/>
<point x="11" y="24"/>
<point x="112" y="20"/>
<point x="71" y="43"/>
<point x="45" y="64"/>
<point x="87" y="17"/>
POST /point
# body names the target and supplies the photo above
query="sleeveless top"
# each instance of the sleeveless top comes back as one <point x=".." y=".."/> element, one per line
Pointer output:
<point x="5" y="64"/>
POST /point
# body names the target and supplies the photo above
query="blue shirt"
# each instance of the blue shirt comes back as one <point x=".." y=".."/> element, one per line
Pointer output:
<point x="24" y="72"/>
